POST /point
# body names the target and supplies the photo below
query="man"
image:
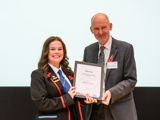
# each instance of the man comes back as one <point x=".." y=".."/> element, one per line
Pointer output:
<point x="120" y="73"/>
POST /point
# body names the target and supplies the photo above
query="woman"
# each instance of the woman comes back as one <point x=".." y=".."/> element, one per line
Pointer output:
<point x="51" y="84"/>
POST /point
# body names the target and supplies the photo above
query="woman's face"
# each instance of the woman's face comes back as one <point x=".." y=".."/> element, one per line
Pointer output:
<point x="56" y="53"/>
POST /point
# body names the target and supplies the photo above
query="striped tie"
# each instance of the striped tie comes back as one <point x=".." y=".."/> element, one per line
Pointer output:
<point x="63" y="81"/>
<point x="101" y="55"/>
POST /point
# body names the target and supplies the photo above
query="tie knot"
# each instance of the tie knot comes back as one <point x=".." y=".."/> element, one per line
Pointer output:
<point x="60" y="72"/>
<point x="102" y="48"/>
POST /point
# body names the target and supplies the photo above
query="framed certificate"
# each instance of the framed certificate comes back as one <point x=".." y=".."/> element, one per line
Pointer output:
<point x="88" y="79"/>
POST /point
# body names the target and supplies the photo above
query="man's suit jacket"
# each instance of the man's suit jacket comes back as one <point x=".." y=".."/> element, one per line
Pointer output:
<point x="120" y="81"/>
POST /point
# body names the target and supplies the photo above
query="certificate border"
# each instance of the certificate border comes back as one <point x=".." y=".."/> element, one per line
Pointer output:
<point x="101" y="82"/>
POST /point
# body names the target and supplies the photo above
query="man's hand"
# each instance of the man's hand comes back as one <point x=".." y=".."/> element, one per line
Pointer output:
<point x="106" y="97"/>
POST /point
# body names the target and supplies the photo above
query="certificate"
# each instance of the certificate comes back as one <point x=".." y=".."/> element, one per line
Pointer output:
<point x="88" y="79"/>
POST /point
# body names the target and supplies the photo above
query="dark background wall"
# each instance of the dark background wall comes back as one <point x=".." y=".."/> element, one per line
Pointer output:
<point x="16" y="104"/>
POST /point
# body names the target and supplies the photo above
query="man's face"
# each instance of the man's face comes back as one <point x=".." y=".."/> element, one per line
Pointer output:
<point x="101" y="28"/>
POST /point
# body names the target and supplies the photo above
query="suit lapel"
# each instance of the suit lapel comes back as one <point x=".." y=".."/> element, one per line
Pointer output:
<point x="56" y="81"/>
<point x="95" y="53"/>
<point x="113" y="53"/>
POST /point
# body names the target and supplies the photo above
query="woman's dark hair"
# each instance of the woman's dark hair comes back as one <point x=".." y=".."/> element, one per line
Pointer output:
<point x="43" y="62"/>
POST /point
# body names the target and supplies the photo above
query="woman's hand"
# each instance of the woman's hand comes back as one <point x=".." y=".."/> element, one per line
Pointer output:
<point x="72" y="92"/>
<point x="90" y="100"/>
